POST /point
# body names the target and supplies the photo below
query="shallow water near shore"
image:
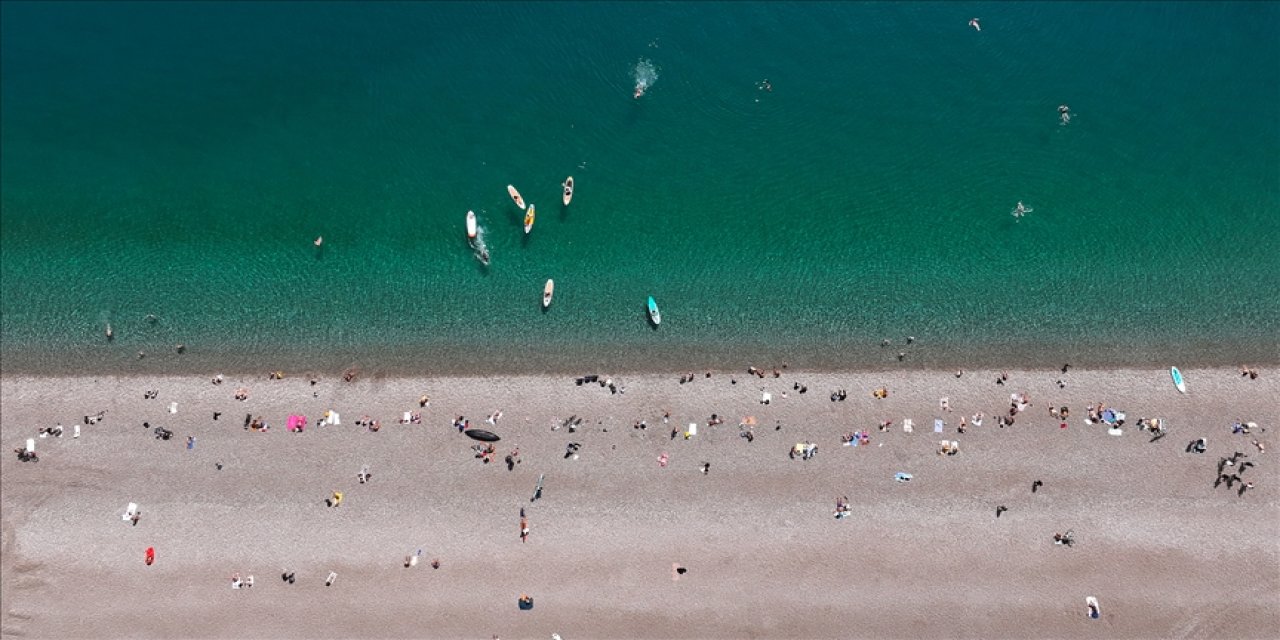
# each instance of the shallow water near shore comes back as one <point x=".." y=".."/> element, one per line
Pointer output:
<point x="178" y="160"/>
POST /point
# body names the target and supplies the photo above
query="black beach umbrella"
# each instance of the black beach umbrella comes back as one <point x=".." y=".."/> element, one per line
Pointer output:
<point x="482" y="435"/>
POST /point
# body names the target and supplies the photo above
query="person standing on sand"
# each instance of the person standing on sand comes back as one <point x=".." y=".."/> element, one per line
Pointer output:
<point x="1036" y="485"/>
<point x="1244" y="487"/>
<point x="1001" y="509"/>
<point x="524" y="526"/>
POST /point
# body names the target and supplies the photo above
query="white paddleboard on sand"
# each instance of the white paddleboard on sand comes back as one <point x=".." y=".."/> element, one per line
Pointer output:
<point x="547" y="292"/>
<point x="1177" y="379"/>
<point x="471" y="224"/>
<point x="515" y="195"/>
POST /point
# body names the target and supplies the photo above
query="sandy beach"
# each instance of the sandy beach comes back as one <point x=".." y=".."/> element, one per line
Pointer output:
<point x="1166" y="553"/>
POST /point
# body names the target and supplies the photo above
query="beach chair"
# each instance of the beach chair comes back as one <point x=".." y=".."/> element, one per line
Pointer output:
<point x="908" y="426"/>
<point x="955" y="447"/>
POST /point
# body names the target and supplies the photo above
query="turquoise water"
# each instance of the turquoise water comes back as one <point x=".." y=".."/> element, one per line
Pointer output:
<point x="177" y="159"/>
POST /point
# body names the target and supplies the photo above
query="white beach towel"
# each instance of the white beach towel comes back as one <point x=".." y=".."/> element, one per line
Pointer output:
<point x="130" y="511"/>
<point x="766" y="398"/>
<point x="693" y="429"/>
<point x="407" y="416"/>
<point x="908" y="426"/>
<point x="77" y="433"/>
<point x="937" y="425"/>
<point x="1115" y="431"/>
<point x="173" y="407"/>
<point x="31" y="445"/>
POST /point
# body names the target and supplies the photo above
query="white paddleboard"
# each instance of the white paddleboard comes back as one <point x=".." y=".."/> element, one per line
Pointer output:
<point x="515" y="195"/>
<point x="1177" y="379"/>
<point x="568" y="190"/>
<point x="547" y="292"/>
<point x="471" y="224"/>
<point x="528" y="219"/>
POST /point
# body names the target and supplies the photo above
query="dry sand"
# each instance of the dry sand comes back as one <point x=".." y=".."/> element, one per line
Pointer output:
<point x="1167" y="554"/>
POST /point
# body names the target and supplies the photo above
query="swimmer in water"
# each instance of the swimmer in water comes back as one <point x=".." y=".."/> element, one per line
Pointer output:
<point x="639" y="91"/>
<point x="319" y="240"/>
<point x="1021" y="210"/>
<point x="974" y="23"/>
<point x="1064" y="113"/>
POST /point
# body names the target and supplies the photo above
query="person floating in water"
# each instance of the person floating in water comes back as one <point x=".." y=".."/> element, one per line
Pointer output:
<point x="1064" y="114"/>
<point x="974" y="23"/>
<point x="1021" y="210"/>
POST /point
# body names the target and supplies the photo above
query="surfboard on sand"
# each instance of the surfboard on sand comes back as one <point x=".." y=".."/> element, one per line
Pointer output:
<point x="1091" y="608"/>
<point x="1177" y="379"/>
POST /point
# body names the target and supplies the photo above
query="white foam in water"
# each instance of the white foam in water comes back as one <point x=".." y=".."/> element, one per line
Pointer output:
<point x="645" y="75"/>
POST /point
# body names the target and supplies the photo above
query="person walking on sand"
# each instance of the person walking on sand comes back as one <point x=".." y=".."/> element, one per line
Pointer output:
<point x="1244" y="487"/>
<point x="1001" y="509"/>
<point x="706" y="468"/>
<point x="524" y="526"/>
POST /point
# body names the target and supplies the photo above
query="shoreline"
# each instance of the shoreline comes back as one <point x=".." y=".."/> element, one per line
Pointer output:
<point x="765" y="555"/>
<point x="120" y="358"/>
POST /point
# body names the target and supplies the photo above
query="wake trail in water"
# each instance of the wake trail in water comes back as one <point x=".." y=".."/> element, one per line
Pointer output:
<point x="645" y="74"/>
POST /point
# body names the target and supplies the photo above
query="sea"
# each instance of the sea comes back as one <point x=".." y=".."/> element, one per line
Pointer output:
<point x="798" y="183"/>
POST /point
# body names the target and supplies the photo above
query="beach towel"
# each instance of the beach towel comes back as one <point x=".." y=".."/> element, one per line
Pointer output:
<point x="766" y="398"/>
<point x="937" y="425"/>
<point x="692" y="431"/>
<point x="130" y="511"/>
<point x="31" y="445"/>
<point x="409" y="416"/>
<point x="908" y="426"/>
<point x="173" y="407"/>
<point x="902" y="477"/>
<point x="1115" y="431"/>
